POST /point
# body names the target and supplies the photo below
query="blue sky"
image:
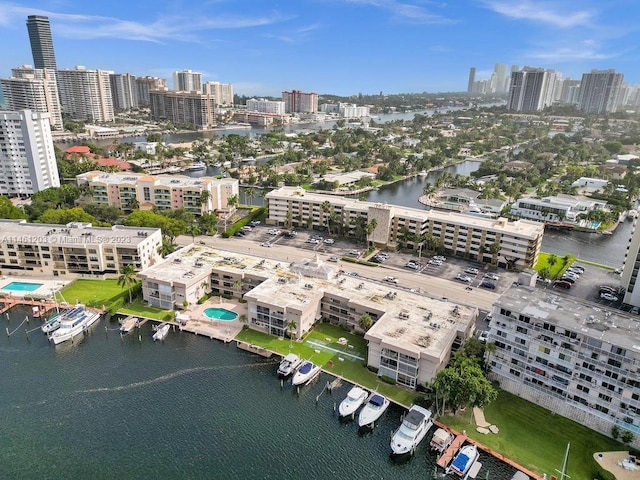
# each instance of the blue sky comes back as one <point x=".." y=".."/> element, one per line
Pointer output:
<point x="342" y="47"/>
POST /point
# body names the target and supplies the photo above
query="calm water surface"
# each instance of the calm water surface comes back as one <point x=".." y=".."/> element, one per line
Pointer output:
<point x="189" y="407"/>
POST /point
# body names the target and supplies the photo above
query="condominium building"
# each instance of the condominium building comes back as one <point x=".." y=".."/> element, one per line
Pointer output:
<point x="27" y="158"/>
<point x="33" y="89"/>
<point x="350" y="110"/>
<point x="274" y="107"/>
<point x="459" y="234"/>
<point x="144" y="85"/>
<point x="187" y="81"/>
<point x="559" y="208"/>
<point x="629" y="276"/>
<point x="222" y="93"/>
<point x="86" y="94"/>
<point x="472" y="80"/>
<point x="531" y="89"/>
<point x="41" y="42"/>
<point x="75" y="249"/>
<point x="182" y="108"/>
<point x="124" y="91"/>
<point x="296" y="101"/>
<point x="132" y="190"/>
<point x="575" y="358"/>
<point x="412" y="335"/>
<point x="600" y="91"/>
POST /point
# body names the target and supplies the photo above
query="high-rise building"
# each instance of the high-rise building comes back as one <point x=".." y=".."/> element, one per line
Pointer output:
<point x="472" y="80"/>
<point x="86" y="94"/>
<point x="531" y="89"/>
<point x="266" y="106"/>
<point x="33" y="89"/>
<point x="124" y="91"/>
<point x="222" y="92"/>
<point x="501" y="84"/>
<point x="41" y="42"/>
<point x="187" y="81"/>
<point x="600" y="91"/>
<point x="570" y="92"/>
<point x="183" y="108"/>
<point x="630" y="271"/>
<point x="27" y="158"/>
<point x="148" y="84"/>
<point x="296" y="101"/>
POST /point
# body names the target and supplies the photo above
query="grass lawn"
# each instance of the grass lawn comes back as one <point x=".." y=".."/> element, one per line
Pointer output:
<point x="140" y="309"/>
<point x="559" y="266"/>
<point x="536" y="438"/>
<point x="351" y="370"/>
<point x="93" y="293"/>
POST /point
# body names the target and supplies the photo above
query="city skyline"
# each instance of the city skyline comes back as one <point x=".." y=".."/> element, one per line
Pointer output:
<point x="342" y="47"/>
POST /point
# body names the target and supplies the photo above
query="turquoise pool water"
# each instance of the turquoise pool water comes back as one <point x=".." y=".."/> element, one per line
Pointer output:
<point x="220" y="314"/>
<point x="22" y="286"/>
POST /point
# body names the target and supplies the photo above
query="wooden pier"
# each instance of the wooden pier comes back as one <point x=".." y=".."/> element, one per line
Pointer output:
<point x="129" y="324"/>
<point x="447" y="456"/>
<point x="44" y="306"/>
<point x="250" y="347"/>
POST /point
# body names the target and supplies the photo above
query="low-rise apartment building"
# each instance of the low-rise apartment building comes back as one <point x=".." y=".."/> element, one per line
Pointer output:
<point x="575" y="358"/>
<point x="459" y="234"/>
<point x="412" y="335"/>
<point x="559" y="208"/>
<point x="137" y="190"/>
<point x="75" y="249"/>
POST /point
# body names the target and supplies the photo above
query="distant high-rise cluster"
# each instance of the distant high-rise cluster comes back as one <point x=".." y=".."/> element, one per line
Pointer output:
<point x="497" y="84"/>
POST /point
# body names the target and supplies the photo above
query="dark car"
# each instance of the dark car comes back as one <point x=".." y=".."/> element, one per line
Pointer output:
<point x="562" y="283"/>
<point x="489" y="285"/>
<point x="568" y="279"/>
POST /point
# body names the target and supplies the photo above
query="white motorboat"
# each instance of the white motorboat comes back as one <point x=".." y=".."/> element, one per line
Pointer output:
<point x="305" y="373"/>
<point x="73" y="323"/>
<point x="353" y="401"/>
<point x="288" y="364"/>
<point x="373" y="409"/>
<point x="413" y="429"/>
<point x="463" y="461"/>
<point x="161" y="332"/>
<point x="197" y="167"/>
<point x="52" y="324"/>
<point x="441" y="440"/>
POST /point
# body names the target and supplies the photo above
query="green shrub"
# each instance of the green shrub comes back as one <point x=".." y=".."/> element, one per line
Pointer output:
<point x="115" y="306"/>
<point x="256" y="214"/>
<point x="386" y="379"/>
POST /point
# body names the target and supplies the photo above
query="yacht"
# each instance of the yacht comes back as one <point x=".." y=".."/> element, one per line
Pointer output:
<point x="353" y="401"/>
<point x="52" y="324"/>
<point x="441" y="440"/>
<point x="305" y="373"/>
<point x="373" y="409"/>
<point x="196" y="167"/>
<point x="463" y="461"/>
<point x="413" y="429"/>
<point x="288" y="364"/>
<point x="161" y="332"/>
<point x="73" y="323"/>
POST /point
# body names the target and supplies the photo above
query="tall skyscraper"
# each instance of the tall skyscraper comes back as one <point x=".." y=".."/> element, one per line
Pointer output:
<point x="41" y="42"/>
<point x="501" y="84"/>
<point x="600" y="91"/>
<point x="124" y="91"/>
<point x="27" y="158"/>
<point x="472" y="80"/>
<point x="531" y="89"/>
<point x="222" y="92"/>
<point x="183" y="108"/>
<point x="296" y="101"/>
<point x="33" y="89"/>
<point x="187" y="81"/>
<point x="86" y="94"/>
<point x="148" y="84"/>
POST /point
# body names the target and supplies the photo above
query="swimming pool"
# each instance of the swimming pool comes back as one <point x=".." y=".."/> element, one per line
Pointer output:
<point x="220" y="314"/>
<point x="22" y="286"/>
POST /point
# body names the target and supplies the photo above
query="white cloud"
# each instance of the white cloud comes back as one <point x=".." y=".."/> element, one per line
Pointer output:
<point x="404" y="11"/>
<point x="543" y="12"/>
<point x="572" y="54"/>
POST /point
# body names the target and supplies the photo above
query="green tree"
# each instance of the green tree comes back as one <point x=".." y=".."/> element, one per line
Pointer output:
<point x="250" y="194"/>
<point x="127" y="278"/>
<point x="370" y="227"/>
<point x="62" y="216"/>
<point x="208" y="223"/>
<point x="9" y="211"/>
<point x="494" y="248"/>
<point x="292" y="326"/>
<point x="233" y="200"/>
<point x="167" y="247"/>
<point x="205" y="195"/>
<point x="365" y="322"/>
<point x="194" y="231"/>
<point x="326" y="208"/>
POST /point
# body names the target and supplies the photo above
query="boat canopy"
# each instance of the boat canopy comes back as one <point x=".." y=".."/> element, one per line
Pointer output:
<point x="377" y="400"/>
<point x="441" y="436"/>
<point x="306" y="368"/>
<point x="413" y="419"/>
<point x="460" y="462"/>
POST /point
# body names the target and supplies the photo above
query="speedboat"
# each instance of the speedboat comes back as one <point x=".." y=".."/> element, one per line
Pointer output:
<point x="73" y="323"/>
<point x="305" y="373"/>
<point x="353" y="401"/>
<point x="373" y="409"/>
<point x="463" y="461"/>
<point x="413" y="429"/>
<point x="197" y="167"/>
<point x="161" y="332"/>
<point x="441" y="440"/>
<point x="52" y="324"/>
<point x="288" y="364"/>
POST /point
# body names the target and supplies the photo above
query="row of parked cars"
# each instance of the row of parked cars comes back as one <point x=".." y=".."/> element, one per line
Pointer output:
<point x="569" y="277"/>
<point x="609" y="293"/>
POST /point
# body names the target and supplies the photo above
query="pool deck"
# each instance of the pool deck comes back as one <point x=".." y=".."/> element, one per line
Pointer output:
<point x="218" y="329"/>
<point x="46" y="290"/>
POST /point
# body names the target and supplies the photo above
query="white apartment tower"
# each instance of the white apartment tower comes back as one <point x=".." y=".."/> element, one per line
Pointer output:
<point x="274" y="107"/>
<point x="33" y="89"/>
<point x="600" y="91"/>
<point x="124" y="91"/>
<point x="27" y="158"/>
<point x="144" y="85"/>
<point x="86" y="94"/>
<point x="187" y="81"/>
<point x="222" y="93"/>
<point x="531" y="89"/>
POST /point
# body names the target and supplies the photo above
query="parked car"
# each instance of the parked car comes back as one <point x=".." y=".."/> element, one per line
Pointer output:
<point x="390" y="279"/>
<point x="568" y="279"/>
<point x="489" y="285"/>
<point x="483" y="336"/>
<point x="575" y="276"/>
<point x="313" y="241"/>
<point x="265" y="244"/>
<point x="608" y="289"/>
<point x="332" y="259"/>
<point x="491" y="276"/>
<point x="273" y="231"/>
<point x="354" y="253"/>
<point x="562" y="284"/>
<point x="435" y="262"/>
<point x="609" y="297"/>
<point x="413" y="265"/>
<point x="254" y="223"/>
<point x="246" y="228"/>
<point x="472" y="271"/>
<point x="463" y="278"/>
<point x="440" y="257"/>
<point x="577" y="268"/>
<point x="329" y="241"/>
<point x="635" y="311"/>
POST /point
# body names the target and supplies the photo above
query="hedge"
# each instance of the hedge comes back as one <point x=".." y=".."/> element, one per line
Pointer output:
<point x="257" y="213"/>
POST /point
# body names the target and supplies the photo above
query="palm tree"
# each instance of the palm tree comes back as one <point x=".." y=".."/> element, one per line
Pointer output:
<point x="291" y="327"/>
<point x="204" y="197"/>
<point x="288" y="219"/>
<point x="494" y="248"/>
<point x="237" y="284"/>
<point x="365" y="322"/>
<point x="325" y="208"/>
<point x="249" y="194"/>
<point x="167" y="247"/>
<point x="370" y="227"/>
<point x="204" y="285"/>
<point x="127" y="278"/>
<point x="194" y="231"/>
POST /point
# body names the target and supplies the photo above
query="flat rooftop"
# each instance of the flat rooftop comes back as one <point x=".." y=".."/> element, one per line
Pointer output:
<point x="165" y="180"/>
<point x="609" y="325"/>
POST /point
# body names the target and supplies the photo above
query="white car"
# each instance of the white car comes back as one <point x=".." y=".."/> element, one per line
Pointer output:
<point x="440" y="257"/>
<point x="313" y="241"/>
<point x="609" y="297"/>
<point x="329" y="241"/>
<point x="472" y="271"/>
<point x="333" y="259"/>
<point x="413" y="265"/>
<point x="273" y="231"/>
<point x="435" y="262"/>
<point x="390" y="279"/>
<point x="354" y="253"/>
<point x="265" y="244"/>
<point x="491" y="276"/>
<point x="483" y="336"/>
<point x="463" y="278"/>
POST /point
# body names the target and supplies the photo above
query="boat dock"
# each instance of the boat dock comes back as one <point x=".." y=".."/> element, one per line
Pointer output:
<point x="44" y="306"/>
<point x="447" y="456"/>
<point x="128" y="324"/>
<point x="250" y="347"/>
